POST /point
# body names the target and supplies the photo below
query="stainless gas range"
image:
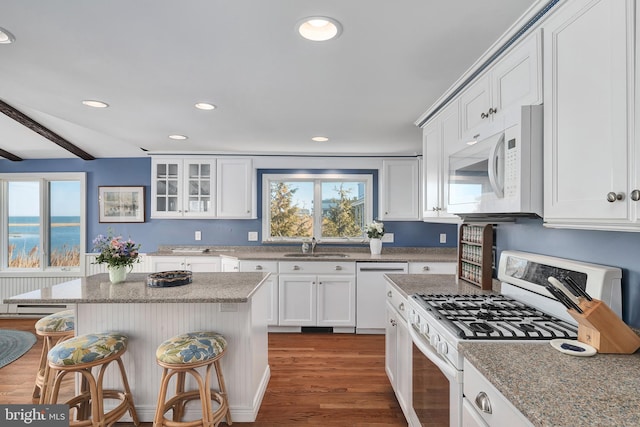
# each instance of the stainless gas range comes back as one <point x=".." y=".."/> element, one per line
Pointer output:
<point x="524" y="310"/>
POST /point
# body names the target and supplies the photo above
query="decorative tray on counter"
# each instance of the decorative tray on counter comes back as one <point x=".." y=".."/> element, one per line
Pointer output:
<point x="167" y="279"/>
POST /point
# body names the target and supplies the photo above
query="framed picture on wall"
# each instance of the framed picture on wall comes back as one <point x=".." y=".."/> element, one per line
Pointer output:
<point x="121" y="204"/>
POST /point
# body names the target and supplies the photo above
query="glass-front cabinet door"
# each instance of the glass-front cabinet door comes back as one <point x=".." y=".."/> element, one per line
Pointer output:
<point x="183" y="188"/>
<point x="199" y="184"/>
<point x="166" y="198"/>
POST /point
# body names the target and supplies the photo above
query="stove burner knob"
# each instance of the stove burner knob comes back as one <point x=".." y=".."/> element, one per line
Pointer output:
<point x="424" y="327"/>
<point x="434" y="340"/>
<point x="443" y="348"/>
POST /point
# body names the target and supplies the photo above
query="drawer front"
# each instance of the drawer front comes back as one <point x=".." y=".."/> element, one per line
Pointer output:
<point x="502" y="412"/>
<point x="316" y="267"/>
<point x="397" y="300"/>
<point x="248" y="266"/>
<point x="432" y="268"/>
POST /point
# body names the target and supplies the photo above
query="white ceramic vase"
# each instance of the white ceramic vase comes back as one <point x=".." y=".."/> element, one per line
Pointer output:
<point x="117" y="274"/>
<point x="376" y="246"/>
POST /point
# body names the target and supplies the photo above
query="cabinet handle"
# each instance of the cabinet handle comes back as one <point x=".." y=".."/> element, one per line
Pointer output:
<point x="493" y="110"/>
<point x="188" y="266"/>
<point x="483" y="402"/>
<point x="338" y="267"/>
<point x="258" y="267"/>
<point x="484" y="115"/>
<point x="393" y="322"/>
<point x="401" y="306"/>
<point x="436" y="209"/>
<point x="389" y="294"/>
<point x="635" y="195"/>
<point x="612" y="197"/>
<point x="425" y="268"/>
<point x="295" y="267"/>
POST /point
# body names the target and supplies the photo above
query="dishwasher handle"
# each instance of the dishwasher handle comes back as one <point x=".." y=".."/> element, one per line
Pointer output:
<point x="381" y="269"/>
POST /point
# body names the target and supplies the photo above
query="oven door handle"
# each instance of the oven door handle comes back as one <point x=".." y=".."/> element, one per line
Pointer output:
<point x="442" y="363"/>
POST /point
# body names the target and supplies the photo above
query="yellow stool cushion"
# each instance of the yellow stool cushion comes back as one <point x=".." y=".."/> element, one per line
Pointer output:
<point x="192" y="347"/>
<point x="62" y="321"/>
<point x="87" y="348"/>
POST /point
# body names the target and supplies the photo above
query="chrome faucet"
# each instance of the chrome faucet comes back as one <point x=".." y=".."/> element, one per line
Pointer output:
<point x="314" y="242"/>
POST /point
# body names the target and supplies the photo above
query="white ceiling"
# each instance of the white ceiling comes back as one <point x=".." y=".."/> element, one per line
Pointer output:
<point x="151" y="60"/>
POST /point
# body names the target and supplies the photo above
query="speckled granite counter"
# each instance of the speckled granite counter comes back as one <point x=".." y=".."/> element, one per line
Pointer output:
<point x="206" y="288"/>
<point x="279" y="253"/>
<point x="555" y="389"/>
<point x="409" y="284"/>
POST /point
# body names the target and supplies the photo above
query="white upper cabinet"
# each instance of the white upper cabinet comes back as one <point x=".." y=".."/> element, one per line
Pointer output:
<point x="400" y="190"/>
<point x="203" y="187"/>
<point x="182" y="187"/>
<point x="515" y="80"/>
<point x="440" y="136"/>
<point x="590" y="171"/>
<point x="234" y="188"/>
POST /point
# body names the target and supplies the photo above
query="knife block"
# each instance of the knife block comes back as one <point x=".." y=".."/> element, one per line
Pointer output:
<point x="602" y="329"/>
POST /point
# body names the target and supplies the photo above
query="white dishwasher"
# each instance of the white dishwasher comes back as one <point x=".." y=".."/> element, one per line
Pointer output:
<point x="370" y="294"/>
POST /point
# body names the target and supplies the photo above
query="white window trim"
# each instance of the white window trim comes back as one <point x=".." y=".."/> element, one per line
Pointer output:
<point x="44" y="207"/>
<point x="266" y="199"/>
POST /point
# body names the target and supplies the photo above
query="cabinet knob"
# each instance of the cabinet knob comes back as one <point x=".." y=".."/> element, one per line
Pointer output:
<point x="338" y="267"/>
<point x="389" y="294"/>
<point x="493" y="110"/>
<point x="612" y="197"/>
<point x="393" y="322"/>
<point x="296" y="267"/>
<point x="483" y="402"/>
<point x="401" y="306"/>
<point x="484" y="115"/>
<point x="436" y="209"/>
<point x="635" y="195"/>
<point x="258" y="267"/>
<point x="425" y="268"/>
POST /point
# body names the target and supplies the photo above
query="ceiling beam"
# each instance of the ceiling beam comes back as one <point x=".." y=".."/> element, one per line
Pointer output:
<point x="9" y="156"/>
<point x="28" y="122"/>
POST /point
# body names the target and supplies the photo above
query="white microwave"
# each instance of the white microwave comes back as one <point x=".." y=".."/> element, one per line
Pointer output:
<point x="501" y="174"/>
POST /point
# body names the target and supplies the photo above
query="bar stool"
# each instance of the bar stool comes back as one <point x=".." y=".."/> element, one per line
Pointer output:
<point x="180" y="355"/>
<point x="54" y="328"/>
<point x="80" y="355"/>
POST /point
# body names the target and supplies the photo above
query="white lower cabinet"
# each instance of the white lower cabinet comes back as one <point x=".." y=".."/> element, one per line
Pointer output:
<point x="229" y="265"/>
<point x="317" y="294"/>
<point x="432" y="268"/>
<point x="398" y="362"/>
<point x="203" y="264"/>
<point x="483" y="405"/>
<point x="271" y="284"/>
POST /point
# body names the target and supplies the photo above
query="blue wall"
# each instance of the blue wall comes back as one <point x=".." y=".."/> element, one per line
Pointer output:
<point x="152" y="233"/>
<point x="618" y="249"/>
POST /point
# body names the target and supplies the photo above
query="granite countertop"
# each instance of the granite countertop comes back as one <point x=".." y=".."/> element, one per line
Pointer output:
<point x="550" y="388"/>
<point x="555" y="390"/>
<point x="409" y="284"/>
<point x="278" y="253"/>
<point x="206" y="287"/>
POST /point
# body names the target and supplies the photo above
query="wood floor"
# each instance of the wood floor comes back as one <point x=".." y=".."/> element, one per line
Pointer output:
<point x="316" y="380"/>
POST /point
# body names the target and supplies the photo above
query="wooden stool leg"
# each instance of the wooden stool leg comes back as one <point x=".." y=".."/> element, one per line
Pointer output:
<point x="162" y="397"/>
<point x="39" y="387"/>
<point x="127" y="393"/>
<point x="223" y="390"/>
<point x="179" y="407"/>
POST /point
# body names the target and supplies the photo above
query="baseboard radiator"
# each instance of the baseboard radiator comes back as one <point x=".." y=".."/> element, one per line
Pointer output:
<point x="10" y="286"/>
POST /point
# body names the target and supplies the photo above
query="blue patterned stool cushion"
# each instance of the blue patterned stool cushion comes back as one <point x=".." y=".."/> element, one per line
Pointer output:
<point x="62" y="321"/>
<point x="192" y="347"/>
<point x="87" y="348"/>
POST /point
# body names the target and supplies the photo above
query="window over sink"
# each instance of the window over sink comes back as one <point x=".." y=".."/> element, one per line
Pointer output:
<point x="329" y="207"/>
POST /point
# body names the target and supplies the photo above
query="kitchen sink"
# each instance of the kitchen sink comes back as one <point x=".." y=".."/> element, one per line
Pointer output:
<point x="318" y="255"/>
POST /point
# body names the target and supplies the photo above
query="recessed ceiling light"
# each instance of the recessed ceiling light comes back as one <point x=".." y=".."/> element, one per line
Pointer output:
<point x="95" y="104"/>
<point x="319" y="28"/>
<point x="6" y="37"/>
<point x="178" y="137"/>
<point x="205" y="106"/>
<point x="320" y="139"/>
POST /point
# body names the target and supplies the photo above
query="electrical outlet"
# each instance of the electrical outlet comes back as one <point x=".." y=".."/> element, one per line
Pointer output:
<point x="253" y="236"/>
<point x="388" y="237"/>
<point x="198" y="235"/>
<point x="443" y="238"/>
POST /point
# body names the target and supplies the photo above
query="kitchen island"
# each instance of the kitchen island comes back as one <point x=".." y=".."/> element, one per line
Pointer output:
<point x="233" y="304"/>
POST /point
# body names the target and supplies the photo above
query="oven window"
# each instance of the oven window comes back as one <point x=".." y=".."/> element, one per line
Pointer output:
<point x="430" y="392"/>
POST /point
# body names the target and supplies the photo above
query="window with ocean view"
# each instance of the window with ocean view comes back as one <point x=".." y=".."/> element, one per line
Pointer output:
<point x="43" y="222"/>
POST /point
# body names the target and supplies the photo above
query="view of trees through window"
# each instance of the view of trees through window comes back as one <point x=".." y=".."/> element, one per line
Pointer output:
<point x="321" y="208"/>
